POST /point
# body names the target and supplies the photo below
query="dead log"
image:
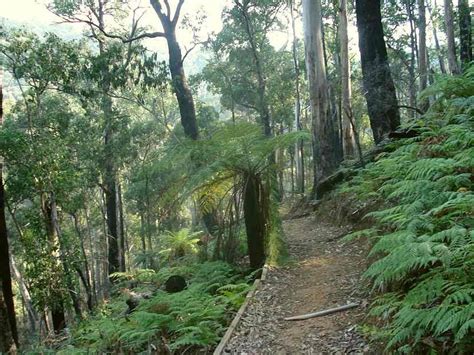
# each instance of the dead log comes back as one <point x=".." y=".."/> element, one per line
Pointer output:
<point x="324" y="313"/>
<point x="134" y="299"/>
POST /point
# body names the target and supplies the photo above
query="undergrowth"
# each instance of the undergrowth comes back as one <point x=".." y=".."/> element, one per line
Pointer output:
<point x="423" y="236"/>
<point x="190" y="320"/>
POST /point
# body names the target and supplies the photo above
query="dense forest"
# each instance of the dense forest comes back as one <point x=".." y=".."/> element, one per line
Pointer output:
<point x="154" y="168"/>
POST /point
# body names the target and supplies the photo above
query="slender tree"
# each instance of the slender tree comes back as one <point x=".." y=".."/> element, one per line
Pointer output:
<point x="422" y="56"/>
<point x="442" y="66"/>
<point x="347" y="115"/>
<point x="323" y="127"/>
<point x="243" y="9"/>
<point x="413" y="56"/>
<point x="299" y="145"/>
<point x="379" y="89"/>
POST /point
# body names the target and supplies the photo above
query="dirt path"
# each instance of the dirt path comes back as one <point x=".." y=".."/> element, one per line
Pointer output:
<point x="325" y="274"/>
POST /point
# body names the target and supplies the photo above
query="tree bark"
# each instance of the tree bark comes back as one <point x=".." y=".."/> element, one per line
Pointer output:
<point x="325" y="146"/>
<point x="347" y="132"/>
<point x="465" y="33"/>
<point x="379" y="89"/>
<point x="448" y="22"/>
<point x="5" y="272"/>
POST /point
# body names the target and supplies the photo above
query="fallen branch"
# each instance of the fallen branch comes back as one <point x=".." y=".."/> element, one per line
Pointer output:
<point x="324" y="313"/>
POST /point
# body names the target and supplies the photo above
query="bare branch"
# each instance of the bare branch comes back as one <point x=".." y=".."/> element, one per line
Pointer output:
<point x="190" y="50"/>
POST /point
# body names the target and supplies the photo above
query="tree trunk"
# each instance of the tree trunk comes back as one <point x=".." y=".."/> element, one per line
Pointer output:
<point x="411" y="68"/>
<point x="84" y="276"/>
<point x="54" y="233"/>
<point x="465" y="33"/>
<point x="442" y="66"/>
<point x="347" y="132"/>
<point x="112" y="225"/>
<point x="121" y="228"/>
<point x="255" y="221"/>
<point x="180" y="85"/>
<point x="448" y="22"/>
<point x="298" y="156"/>
<point x="264" y="110"/>
<point x="7" y="343"/>
<point x="423" y="61"/>
<point x="379" y="89"/>
<point x="181" y="88"/>
<point x="323" y="127"/>
<point x="5" y="273"/>
<point x="94" y="256"/>
<point x="25" y="295"/>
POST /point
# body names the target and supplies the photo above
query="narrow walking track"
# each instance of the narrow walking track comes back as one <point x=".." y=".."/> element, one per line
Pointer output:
<point x="325" y="274"/>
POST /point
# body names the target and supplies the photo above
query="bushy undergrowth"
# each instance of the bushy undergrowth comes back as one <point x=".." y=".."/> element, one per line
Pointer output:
<point x="423" y="235"/>
<point x="192" y="319"/>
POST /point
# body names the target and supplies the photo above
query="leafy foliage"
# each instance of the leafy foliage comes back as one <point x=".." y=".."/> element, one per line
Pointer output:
<point x="424" y="236"/>
<point x="191" y="319"/>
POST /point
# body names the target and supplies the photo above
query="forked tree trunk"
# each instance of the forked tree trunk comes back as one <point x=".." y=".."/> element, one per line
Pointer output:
<point x="347" y="131"/>
<point x="448" y="22"/>
<point x="325" y="146"/>
<point x="255" y="220"/>
<point x="180" y="85"/>
<point x="379" y="89"/>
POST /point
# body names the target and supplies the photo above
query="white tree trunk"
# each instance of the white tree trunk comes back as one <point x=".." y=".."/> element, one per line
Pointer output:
<point x="323" y="129"/>
<point x="448" y="21"/>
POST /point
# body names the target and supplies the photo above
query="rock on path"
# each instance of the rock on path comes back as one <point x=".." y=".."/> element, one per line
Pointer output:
<point x="325" y="273"/>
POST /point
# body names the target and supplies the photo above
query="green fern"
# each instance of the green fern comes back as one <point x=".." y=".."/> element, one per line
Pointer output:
<point x="424" y="235"/>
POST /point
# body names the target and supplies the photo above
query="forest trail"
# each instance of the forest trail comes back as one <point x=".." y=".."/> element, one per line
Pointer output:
<point x="325" y="274"/>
